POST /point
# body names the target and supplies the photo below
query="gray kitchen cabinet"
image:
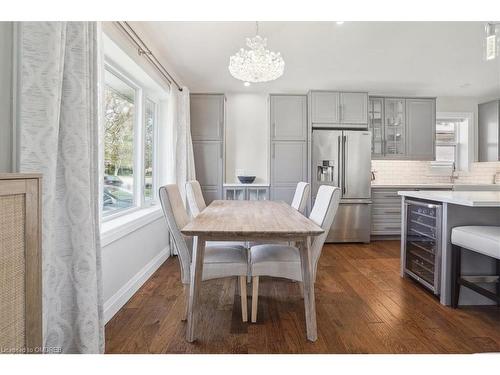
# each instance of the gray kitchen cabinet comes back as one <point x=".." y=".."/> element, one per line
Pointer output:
<point x="207" y="117"/>
<point x="402" y="128"/>
<point x="421" y="128"/>
<point x="207" y="131"/>
<point x="288" y="162"/>
<point x="325" y="107"/>
<point x="395" y="127"/>
<point x="208" y="164"/>
<point x="288" y="167"/>
<point x="376" y="125"/>
<point x="386" y="209"/>
<point x="354" y="108"/>
<point x="339" y="109"/>
<point x="489" y="131"/>
<point x="288" y="117"/>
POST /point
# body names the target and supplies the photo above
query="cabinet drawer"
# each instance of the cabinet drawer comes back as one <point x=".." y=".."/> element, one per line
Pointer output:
<point x="384" y="210"/>
<point x="388" y="228"/>
<point x="382" y="219"/>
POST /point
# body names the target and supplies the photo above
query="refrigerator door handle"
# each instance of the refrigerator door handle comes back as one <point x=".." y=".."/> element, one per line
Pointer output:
<point x="339" y="162"/>
<point x="344" y="163"/>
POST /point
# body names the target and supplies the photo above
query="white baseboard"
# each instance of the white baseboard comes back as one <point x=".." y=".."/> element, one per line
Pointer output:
<point x="120" y="298"/>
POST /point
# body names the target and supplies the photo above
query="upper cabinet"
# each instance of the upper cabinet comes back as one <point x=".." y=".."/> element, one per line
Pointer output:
<point x="402" y="128"/>
<point x="339" y="109"/>
<point x="395" y="127"/>
<point x="288" y="117"/>
<point x="354" y="108"/>
<point x="207" y="117"/>
<point x="489" y="131"/>
<point x="421" y="136"/>
<point x="325" y="107"/>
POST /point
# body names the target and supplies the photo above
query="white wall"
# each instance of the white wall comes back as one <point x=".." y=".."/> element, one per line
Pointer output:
<point x="128" y="262"/>
<point x="247" y="136"/>
<point x="6" y="29"/>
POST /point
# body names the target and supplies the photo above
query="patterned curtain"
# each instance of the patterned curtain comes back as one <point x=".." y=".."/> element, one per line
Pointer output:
<point x="184" y="156"/>
<point x="58" y="112"/>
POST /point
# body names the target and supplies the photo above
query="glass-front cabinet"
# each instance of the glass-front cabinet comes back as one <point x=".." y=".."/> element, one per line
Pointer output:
<point x="394" y="129"/>
<point x="376" y="121"/>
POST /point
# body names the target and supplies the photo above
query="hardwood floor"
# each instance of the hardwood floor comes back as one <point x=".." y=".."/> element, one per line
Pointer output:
<point x="363" y="306"/>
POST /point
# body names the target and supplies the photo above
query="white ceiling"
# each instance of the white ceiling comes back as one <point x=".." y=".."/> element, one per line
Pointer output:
<point x="405" y="58"/>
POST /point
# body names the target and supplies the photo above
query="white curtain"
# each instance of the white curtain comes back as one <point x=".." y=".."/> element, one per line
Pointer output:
<point x="58" y="112"/>
<point x="183" y="162"/>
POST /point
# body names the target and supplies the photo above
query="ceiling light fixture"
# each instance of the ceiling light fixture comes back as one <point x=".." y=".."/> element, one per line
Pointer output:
<point x="492" y="41"/>
<point x="246" y="84"/>
<point x="340" y="22"/>
<point x="256" y="64"/>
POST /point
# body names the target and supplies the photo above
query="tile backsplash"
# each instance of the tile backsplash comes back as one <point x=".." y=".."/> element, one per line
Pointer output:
<point x="388" y="172"/>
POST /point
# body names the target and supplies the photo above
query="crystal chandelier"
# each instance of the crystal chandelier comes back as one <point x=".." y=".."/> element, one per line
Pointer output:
<point x="256" y="64"/>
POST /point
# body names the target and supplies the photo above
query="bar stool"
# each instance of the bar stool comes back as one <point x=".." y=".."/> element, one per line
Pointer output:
<point x="480" y="239"/>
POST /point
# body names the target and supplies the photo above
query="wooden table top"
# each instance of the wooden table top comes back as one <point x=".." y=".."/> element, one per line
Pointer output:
<point x="247" y="219"/>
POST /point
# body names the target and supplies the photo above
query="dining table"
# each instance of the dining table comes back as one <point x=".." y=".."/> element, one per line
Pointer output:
<point x="259" y="220"/>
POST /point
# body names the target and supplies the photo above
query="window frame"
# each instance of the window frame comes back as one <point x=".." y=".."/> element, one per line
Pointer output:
<point x="453" y="144"/>
<point x="141" y="95"/>
<point x="154" y="160"/>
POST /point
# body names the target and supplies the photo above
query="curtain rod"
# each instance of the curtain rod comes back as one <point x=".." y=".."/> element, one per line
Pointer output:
<point x="144" y="50"/>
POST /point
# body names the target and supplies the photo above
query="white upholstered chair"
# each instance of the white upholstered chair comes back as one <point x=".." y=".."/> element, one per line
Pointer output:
<point x="219" y="261"/>
<point x="196" y="204"/>
<point x="194" y="196"/>
<point x="301" y="196"/>
<point x="279" y="260"/>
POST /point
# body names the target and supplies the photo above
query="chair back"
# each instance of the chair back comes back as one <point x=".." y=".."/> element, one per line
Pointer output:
<point x="323" y="213"/>
<point x="177" y="218"/>
<point x="301" y="196"/>
<point x="195" y="199"/>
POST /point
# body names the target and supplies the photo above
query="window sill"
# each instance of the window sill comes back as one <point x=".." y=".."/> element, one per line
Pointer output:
<point x="115" y="229"/>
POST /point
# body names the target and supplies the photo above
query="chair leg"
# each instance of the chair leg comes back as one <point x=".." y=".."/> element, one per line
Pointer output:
<point x="301" y="286"/>
<point x="456" y="269"/>
<point x="186" y="299"/>
<point x="255" y="297"/>
<point x="243" y="295"/>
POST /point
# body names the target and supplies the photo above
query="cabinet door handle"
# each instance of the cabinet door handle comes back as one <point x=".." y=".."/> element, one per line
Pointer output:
<point x="274" y="150"/>
<point x="221" y="150"/>
<point x="392" y="212"/>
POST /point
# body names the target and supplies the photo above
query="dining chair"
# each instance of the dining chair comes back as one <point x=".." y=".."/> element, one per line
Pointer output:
<point x="301" y="196"/>
<point x="196" y="204"/>
<point x="194" y="196"/>
<point x="280" y="260"/>
<point x="219" y="260"/>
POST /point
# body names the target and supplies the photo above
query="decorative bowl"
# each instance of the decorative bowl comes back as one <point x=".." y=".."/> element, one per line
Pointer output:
<point x="246" y="179"/>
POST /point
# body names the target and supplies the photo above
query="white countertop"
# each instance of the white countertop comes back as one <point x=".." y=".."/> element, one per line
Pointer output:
<point x="409" y="186"/>
<point x="463" y="198"/>
<point x="245" y="185"/>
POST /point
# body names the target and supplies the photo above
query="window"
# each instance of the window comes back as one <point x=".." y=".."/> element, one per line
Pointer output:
<point x="455" y="139"/>
<point x="129" y="144"/>
<point x="447" y="140"/>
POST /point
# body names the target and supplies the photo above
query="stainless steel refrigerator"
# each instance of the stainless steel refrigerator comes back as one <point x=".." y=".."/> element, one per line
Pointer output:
<point x="343" y="158"/>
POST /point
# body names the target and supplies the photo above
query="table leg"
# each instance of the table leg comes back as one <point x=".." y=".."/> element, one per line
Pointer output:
<point x="308" y="280"/>
<point x="194" y="287"/>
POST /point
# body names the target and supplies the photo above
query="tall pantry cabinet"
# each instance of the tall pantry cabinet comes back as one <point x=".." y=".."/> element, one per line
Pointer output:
<point x="207" y="132"/>
<point x="288" y="115"/>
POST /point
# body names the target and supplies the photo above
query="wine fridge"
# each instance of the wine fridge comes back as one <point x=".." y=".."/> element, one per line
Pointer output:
<point x="421" y="243"/>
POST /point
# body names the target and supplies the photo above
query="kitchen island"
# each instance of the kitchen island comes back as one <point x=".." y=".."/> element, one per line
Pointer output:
<point x="458" y="208"/>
